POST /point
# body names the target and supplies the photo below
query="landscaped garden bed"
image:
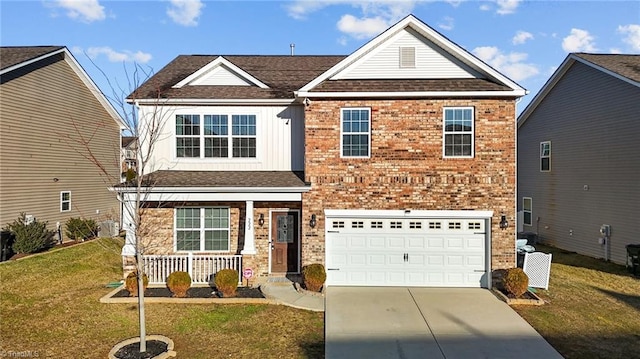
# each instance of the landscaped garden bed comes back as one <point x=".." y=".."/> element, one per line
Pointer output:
<point x="193" y="292"/>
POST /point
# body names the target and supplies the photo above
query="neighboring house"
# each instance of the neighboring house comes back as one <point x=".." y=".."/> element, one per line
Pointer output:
<point x="392" y="166"/>
<point x="579" y="157"/>
<point x="129" y="153"/>
<point x="52" y="119"/>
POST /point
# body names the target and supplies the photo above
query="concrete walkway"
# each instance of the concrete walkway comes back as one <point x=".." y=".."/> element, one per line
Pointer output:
<point x="286" y="294"/>
<point x="405" y="323"/>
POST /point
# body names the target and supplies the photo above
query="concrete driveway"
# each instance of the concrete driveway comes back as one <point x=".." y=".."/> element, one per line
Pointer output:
<point x="377" y="322"/>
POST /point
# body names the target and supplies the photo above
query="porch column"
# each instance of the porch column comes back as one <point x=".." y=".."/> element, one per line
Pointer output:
<point x="129" y="225"/>
<point x="249" y="236"/>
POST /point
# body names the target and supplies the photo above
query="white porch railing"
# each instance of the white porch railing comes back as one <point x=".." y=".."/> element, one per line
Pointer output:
<point x="201" y="267"/>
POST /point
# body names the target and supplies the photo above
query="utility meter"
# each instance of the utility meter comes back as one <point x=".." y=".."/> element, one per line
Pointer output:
<point x="605" y="230"/>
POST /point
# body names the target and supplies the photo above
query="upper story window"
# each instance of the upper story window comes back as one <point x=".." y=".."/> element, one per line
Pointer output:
<point x="65" y="201"/>
<point x="211" y="138"/>
<point x="458" y="132"/>
<point x="355" y="124"/>
<point x="545" y="156"/>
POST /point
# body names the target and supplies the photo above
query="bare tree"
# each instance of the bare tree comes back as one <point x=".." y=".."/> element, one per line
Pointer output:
<point x="133" y="191"/>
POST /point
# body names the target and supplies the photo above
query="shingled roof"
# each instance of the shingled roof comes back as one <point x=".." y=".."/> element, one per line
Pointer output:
<point x="14" y="55"/>
<point x="233" y="179"/>
<point x="624" y="65"/>
<point x="409" y="85"/>
<point x="283" y="75"/>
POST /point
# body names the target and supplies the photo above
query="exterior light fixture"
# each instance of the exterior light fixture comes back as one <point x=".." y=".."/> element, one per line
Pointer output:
<point x="503" y="222"/>
<point x="261" y="220"/>
<point x="312" y="222"/>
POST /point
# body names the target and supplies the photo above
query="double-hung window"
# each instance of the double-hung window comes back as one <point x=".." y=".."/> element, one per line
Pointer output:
<point x="218" y="135"/>
<point x="188" y="136"/>
<point x="545" y="156"/>
<point x="202" y="229"/>
<point x="356" y="132"/>
<point x="65" y="201"/>
<point x="527" y="209"/>
<point x="244" y="135"/>
<point x="458" y="133"/>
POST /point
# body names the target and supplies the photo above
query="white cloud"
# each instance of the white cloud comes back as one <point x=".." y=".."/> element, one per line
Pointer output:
<point x="632" y="35"/>
<point x="615" y="50"/>
<point x="521" y="37"/>
<point x="372" y="16"/>
<point x="446" y="24"/>
<point x="513" y="65"/>
<point x="506" y="7"/>
<point x="300" y="9"/>
<point x="82" y="10"/>
<point x="362" y="28"/>
<point x="579" y="41"/>
<point x="485" y="7"/>
<point x="115" y="56"/>
<point x="185" y="12"/>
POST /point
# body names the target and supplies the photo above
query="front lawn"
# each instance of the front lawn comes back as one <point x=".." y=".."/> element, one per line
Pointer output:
<point x="593" y="309"/>
<point x="49" y="305"/>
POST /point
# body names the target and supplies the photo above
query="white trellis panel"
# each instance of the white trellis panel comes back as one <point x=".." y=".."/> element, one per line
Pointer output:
<point x="537" y="266"/>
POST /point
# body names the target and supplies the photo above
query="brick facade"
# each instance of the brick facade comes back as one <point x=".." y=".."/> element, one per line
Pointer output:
<point x="407" y="170"/>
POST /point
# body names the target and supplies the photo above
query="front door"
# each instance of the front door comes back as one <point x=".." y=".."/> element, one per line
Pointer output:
<point x="285" y="239"/>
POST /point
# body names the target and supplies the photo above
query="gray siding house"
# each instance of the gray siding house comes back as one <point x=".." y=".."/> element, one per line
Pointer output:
<point x="51" y="115"/>
<point x="579" y="156"/>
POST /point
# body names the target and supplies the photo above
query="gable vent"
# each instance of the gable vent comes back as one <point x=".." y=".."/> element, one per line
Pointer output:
<point x="408" y="57"/>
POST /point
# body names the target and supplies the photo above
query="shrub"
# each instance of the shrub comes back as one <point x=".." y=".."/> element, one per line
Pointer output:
<point x="314" y="276"/>
<point x="81" y="229"/>
<point x="227" y="282"/>
<point x="515" y="281"/>
<point x="29" y="238"/>
<point x="131" y="283"/>
<point x="179" y="283"/>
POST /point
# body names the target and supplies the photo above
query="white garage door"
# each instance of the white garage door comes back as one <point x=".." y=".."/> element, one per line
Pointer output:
<point x="407" y="251"/>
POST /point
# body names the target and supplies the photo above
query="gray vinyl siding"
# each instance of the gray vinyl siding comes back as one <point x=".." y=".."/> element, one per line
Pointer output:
<point x="593" y="122"/>
<point x="43" y="114"/>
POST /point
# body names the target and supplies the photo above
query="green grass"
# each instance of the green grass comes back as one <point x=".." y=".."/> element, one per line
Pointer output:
<point x="49" y="304"/>
<point x="593" y="308"/>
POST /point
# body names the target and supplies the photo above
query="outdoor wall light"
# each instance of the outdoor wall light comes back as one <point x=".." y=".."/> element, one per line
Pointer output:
<point x="312" y="222"/>
<point x="503" y="222"/>
<point x="261" y="220"/>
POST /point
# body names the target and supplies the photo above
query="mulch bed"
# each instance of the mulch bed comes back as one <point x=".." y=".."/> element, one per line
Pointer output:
<point x="194" y="292"/>
<point x="132" y="351"/>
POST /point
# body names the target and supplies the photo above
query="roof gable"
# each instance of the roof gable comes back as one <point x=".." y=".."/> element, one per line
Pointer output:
<point x="434" y="52"/>
<point x="220" y="72"/>
<point x="623" y="67"/>
<point x="423" y="60"/>
<point x="21" y="57"/>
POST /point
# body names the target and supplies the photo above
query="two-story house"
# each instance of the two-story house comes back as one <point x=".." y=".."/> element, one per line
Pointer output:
<point x="59" y="139"/>
<point x="578" y="162"/>
<point x="394" y="165"/>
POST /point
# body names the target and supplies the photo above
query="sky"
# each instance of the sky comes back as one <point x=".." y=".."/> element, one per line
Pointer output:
<point x="525" y="40"/>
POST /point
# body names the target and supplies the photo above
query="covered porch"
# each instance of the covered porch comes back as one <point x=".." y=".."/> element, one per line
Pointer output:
<point x="204" y="221"/>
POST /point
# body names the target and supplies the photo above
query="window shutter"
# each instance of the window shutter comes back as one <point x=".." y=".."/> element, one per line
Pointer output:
<point x="407" y="57"/>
